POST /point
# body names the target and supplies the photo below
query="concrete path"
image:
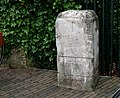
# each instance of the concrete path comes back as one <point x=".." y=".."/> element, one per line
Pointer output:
<point x="37" y="83"/>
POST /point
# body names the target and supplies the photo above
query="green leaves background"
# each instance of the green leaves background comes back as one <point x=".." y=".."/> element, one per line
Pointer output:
<point x="30" y="25"/>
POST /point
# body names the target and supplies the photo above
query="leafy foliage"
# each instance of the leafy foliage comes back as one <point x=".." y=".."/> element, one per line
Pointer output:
<point x="29" y="24"/>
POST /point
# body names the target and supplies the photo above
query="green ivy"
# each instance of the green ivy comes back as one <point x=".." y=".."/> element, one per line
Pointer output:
<point x="30" y="25"/>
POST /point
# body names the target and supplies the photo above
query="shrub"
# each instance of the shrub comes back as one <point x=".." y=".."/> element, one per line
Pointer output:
<point x="29" y="24"/>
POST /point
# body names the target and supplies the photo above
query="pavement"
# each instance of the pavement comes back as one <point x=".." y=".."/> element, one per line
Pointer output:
<point x="42" y="83"/>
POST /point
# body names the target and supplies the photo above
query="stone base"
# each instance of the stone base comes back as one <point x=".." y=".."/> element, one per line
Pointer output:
<point x="77" y="73"/>
<point x="84" y="83"/>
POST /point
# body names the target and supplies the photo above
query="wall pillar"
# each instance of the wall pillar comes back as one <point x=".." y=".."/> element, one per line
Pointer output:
<point x="77" y="49"/>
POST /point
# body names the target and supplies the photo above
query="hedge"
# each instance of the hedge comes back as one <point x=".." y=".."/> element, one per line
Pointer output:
<point x="30" y="25"/>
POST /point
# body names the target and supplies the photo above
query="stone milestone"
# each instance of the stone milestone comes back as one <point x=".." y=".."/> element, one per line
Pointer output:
<point x="77" y="45"/>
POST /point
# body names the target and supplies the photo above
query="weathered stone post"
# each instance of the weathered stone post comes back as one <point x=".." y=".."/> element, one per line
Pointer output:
<point x="77" y="49"/>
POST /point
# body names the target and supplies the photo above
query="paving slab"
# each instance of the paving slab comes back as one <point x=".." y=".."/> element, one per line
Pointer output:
<point x="41" y="83"/>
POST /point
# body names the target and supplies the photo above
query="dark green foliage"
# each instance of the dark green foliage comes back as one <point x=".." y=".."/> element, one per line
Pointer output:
<point x="29" y="24"/>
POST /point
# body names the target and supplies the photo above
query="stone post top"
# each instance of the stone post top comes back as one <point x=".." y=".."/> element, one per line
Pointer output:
<point x="78" y="14"/>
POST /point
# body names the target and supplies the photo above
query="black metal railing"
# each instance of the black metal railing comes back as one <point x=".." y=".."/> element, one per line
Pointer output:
<point x="108" y="12"/>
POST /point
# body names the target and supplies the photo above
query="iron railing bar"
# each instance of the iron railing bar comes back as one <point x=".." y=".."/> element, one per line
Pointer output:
<point x="95" y="5"/>
<point x="107" y="39"/>
<point x="106" y="34"/>
<point x="111" y="45"/>
<point x="86" y="4"/>
<point x="103" y="24"/>
<point x="118" y="33"/>
<point x="116" y="18"/>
